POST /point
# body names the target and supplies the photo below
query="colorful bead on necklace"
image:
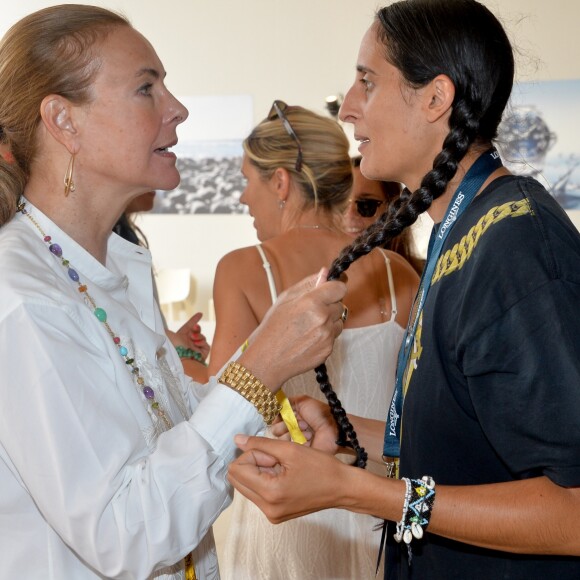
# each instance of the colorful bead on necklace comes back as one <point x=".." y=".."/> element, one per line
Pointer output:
<point x="101" y="315"/>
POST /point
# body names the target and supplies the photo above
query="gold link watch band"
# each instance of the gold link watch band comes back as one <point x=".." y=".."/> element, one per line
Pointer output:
<point x="252" y="389"/>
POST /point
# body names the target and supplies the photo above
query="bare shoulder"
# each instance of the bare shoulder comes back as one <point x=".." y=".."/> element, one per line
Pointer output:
<point x="401" y="268"/>
<point x="297" y="253"/>
<point x="239" y="301"/>
<point x="241" y="272"/>
<point x="237" y="259"/>
<point x="406" y="281"/>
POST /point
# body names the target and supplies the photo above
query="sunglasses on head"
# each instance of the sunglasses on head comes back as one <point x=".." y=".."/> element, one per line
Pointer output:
<point x="367" y="208"/>
<point x="277" y="110"/>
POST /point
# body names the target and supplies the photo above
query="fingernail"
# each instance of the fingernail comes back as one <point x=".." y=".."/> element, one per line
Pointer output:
<point x="241" y="439"/>
<point x="319" y="279"/>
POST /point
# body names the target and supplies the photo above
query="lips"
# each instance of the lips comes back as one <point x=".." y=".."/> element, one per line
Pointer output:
<point x="165" y="148"/>
<point x="353" y="227"/>
<point x="361" y="139"/>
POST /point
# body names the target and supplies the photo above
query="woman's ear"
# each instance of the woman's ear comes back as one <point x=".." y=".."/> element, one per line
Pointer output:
<point x="280" y="181"/>
<point x="440" y="95"/>
<point x="57" y="114"/>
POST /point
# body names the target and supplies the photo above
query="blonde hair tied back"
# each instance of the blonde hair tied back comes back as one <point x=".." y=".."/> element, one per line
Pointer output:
<point x="47" y="52"/>
<point x="325" y="179"/>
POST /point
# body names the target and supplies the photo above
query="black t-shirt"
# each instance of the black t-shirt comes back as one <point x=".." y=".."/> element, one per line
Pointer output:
<point x="494" y="394"/>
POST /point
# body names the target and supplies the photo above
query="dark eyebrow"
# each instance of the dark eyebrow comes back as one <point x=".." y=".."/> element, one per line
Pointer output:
<point x="365" y="69"/>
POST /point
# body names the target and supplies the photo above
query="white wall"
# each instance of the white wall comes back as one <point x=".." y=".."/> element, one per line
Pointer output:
<point x="300" y="51"/>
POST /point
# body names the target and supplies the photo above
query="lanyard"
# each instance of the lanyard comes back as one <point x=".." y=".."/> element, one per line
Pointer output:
<point x="485" y="165"/>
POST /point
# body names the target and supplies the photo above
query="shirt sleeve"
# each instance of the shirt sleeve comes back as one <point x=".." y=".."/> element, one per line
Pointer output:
<point x="70" y="433"/>
<point x="523" y="374"/>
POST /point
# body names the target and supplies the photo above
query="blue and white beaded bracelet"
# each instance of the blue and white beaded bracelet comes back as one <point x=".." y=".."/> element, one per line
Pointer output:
<point x="419" y="500"/>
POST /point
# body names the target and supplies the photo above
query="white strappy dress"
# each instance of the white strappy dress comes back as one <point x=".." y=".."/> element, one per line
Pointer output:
<point x="331" y="544"/>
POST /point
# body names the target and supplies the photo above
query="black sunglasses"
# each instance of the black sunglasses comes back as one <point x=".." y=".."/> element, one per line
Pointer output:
<point x="367" y="208"/>
<point x="277" y="110"/>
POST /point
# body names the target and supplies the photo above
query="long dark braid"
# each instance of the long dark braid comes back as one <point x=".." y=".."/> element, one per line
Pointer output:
<point x="479" y="101"/>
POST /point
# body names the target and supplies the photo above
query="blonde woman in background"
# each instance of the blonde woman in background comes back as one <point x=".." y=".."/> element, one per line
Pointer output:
<point x="299" y="177"/>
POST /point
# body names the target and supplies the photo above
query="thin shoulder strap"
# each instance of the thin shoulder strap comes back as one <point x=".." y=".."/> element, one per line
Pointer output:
<point x="391" y="285"/>
<point x="269" y="275"/>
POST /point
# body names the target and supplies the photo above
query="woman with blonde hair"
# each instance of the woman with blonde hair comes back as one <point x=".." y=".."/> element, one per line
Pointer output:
<point x="112" y="462"/>
<point x="299" y="177"/>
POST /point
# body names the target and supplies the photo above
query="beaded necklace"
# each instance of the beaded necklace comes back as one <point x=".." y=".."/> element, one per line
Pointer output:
<point x="101" y="315"/>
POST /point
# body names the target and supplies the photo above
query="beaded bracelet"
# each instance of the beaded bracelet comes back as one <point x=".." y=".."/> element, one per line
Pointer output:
<point x="252" y="389"/>
<point x="184" y="352"/>
<point x="419" y="500"/>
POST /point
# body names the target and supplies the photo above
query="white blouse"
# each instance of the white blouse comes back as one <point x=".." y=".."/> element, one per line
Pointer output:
<point x="90" y="486"/>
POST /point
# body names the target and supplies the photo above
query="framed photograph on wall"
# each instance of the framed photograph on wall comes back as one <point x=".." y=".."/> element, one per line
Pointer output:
<point x="209" y="157"/>
<point x="540" y="136"/>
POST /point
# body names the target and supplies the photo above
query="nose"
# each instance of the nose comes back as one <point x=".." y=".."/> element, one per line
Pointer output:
<point x="348" y="112"/>
<point x="178" y="113"/>
<point x="350" y="210"/>
<point x="243" y="197"/>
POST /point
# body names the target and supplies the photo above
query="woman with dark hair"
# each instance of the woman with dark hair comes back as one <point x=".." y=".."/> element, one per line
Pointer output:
<point x="368" y="200"/>
<point x="483" y="429"/>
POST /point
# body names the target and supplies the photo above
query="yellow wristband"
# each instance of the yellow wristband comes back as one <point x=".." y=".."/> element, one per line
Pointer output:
<point x="289" y="418"/>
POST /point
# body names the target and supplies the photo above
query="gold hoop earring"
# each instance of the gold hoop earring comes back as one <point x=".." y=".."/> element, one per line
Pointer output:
<point x="69" y="184"/>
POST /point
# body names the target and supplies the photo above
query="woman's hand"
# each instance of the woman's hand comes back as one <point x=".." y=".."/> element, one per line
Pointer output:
<point x="315" y="421"/>
<point x="298" y="332"/>
<point x="190" y="336"/>
<point x="286" y="480"/>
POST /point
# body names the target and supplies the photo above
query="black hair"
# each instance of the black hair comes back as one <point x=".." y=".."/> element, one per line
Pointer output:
<point x="422" y="39"/>
<point x="126" y="228"/>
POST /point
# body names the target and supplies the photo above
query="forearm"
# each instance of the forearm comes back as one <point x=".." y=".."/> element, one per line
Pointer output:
<point x="370" y="434"/>
<point x="260" y="364"/>
<point x="533" y="516"/>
